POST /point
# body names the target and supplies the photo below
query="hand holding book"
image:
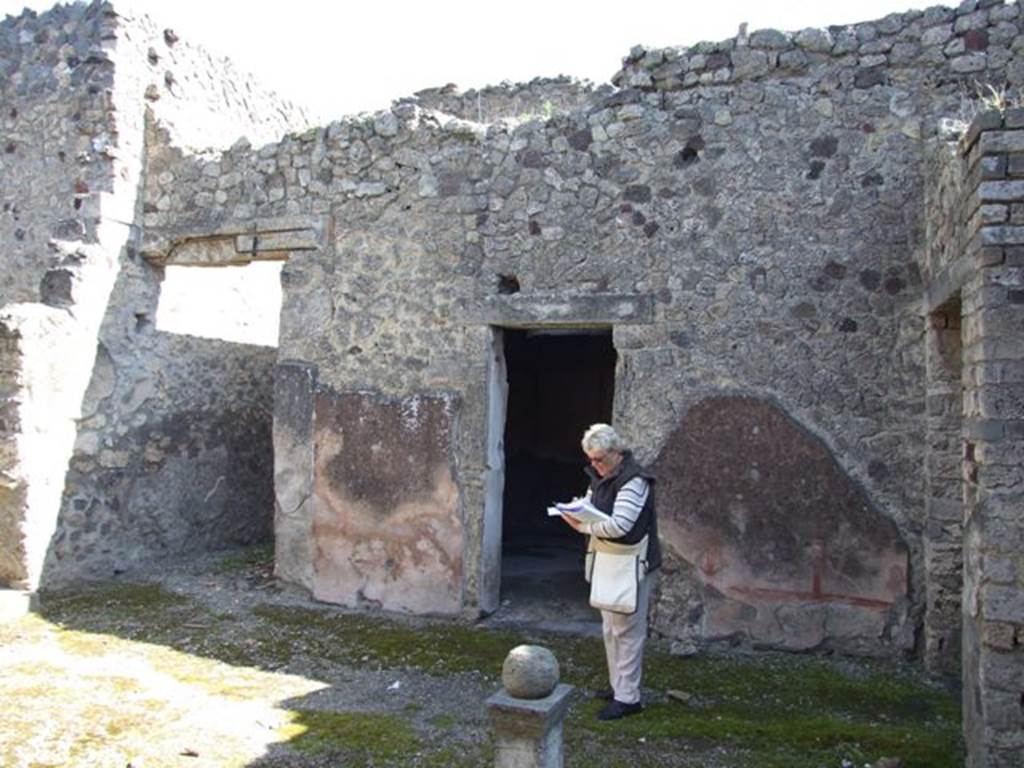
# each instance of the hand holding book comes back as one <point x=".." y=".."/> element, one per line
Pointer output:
<point x="580" y="510"/>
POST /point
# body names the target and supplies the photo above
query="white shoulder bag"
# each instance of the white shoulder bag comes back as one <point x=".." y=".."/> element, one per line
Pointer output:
<point x="615" y="572"/>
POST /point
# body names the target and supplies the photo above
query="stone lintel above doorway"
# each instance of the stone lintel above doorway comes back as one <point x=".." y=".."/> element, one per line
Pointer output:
<point x="560" y="309"/>
<point x="236" y="242"/>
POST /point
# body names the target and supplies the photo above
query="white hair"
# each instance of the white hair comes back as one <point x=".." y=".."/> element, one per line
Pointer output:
<point x="602" y="437"/>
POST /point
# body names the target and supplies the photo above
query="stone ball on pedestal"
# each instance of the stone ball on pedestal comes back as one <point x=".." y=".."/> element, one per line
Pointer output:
<point x="530" y="672"/>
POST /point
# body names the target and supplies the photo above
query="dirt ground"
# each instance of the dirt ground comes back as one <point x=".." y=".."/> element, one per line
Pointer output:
<point x="210" y="663"/>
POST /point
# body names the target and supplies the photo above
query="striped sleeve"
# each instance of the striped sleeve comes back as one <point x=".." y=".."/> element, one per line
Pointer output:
<point x="629" y="503"/>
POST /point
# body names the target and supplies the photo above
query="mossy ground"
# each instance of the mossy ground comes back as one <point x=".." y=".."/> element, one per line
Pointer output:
<point x="170" y="675"/>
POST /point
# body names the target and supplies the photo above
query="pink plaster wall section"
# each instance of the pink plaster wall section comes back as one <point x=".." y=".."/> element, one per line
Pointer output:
<point x="789" y="549"/>
<point x="386" y="520"/>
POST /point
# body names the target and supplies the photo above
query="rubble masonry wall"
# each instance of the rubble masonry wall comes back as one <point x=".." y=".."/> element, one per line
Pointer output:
<point x="759" y="201"/>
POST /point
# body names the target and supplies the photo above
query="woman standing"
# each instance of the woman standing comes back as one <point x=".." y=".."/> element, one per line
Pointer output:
<point x="622" y="489"/>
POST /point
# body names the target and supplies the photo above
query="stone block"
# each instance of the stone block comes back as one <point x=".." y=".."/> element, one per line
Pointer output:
<point x="937" y="35"/>
<point x="528" y="732"/>
<point x="945" y="510"/>
<point x="1014" y="255"/>
<point x="1006" y="742"/>
<point x="998" y="635"/>
<point x="994" y="214"/>
<point x="1003" y="604"/>
<point x="945" y="285"/>
<point x="297" y="240"/>
<point x="1006" y="452"/>
<point x="985" y="429"/>
<point x="1003" y="505"/>
<point x="1013" y="164"/>
<point x="870" y="77"/>
<point x="595" y="309"/>
<point x="814" y="40"/>
<point x="995" y="142"/>
<point x="1006" y="348"/>
<point x="994" y="372"/>
<point x="1003" y="671"/>
<point x="57" y="288"/>
<point x="771" y="39"/>
<point x="1002" y="323"/>
<point x="989" y="256"/>
<point x="748" y="62"/>
<point x="1006" y="276"/>
<point x="1002" y="401"/>
<point x="978" y="298"/>
<point x="217" y="251"/>
<point x="999" y="758"/>
<point x="1001" y="191"/>
<point x="971" y="62"/>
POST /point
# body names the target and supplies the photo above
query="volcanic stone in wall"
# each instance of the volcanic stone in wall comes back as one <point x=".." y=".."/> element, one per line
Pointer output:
<point x="790" y="551"/>
<point x="386" y="523"/>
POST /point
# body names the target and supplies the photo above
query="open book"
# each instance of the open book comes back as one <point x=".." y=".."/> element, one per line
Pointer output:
<point x="579" y="509"/>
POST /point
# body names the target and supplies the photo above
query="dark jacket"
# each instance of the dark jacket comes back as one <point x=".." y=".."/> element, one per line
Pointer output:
<point x="603" y="491"/>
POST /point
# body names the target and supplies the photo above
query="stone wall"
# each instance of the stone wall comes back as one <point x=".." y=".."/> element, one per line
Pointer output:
<point x="62" y="230"/>
<point x="943" y="534"/>
<point x="972" y="45"/>
<point x="540" y="98"/>
<point x="153" y="443"/>
<point x="56" y="75"/>
<point x="946" y="219"/>
<point x="202" y="101"/>
<point x="811" y="299"/>
<point x="759" y="228"/>
<point x="173" y="450"/>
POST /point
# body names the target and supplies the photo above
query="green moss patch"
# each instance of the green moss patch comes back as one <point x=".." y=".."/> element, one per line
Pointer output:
<point x="259" y="556"/>
<point x="437" y="649"/>
<point x="791" y="683"/>
<point x="371" y="736"/>
<point x="786" y="711"/>
<point x="137" y="611"/>
<point x="776" y="739"/>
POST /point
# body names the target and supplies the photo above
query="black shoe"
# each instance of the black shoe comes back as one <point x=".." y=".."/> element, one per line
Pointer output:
<point x="605" y="694"/>
<point x="617" y="709"/>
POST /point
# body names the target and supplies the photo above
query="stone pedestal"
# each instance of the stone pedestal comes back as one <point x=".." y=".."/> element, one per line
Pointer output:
<point x="528" y="732"/>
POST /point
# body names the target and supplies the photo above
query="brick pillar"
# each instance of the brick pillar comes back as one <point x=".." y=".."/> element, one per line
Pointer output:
<point x="993" y="355"/>
<point x="943" y="539"/>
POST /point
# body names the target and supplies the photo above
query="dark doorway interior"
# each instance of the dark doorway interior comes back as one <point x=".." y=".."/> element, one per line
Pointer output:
<point x="558" y="384"/>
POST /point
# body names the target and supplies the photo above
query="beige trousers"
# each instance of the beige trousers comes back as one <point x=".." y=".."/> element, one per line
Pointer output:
<point x="624" y="636"/>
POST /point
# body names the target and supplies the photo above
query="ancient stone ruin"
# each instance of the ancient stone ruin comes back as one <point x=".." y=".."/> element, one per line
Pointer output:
<point x="781" y="264"/>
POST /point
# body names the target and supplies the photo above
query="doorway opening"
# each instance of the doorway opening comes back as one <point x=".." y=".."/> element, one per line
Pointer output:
<point x="559" y="383"/>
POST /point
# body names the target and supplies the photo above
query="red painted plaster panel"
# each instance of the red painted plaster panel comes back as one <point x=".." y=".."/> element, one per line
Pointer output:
<point x="386" y="519"/>
<point x="790" y="549"/>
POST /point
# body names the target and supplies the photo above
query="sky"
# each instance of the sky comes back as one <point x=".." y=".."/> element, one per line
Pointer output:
<point x="339" y="58"/>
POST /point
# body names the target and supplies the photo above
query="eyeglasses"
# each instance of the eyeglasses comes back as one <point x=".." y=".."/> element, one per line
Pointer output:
<point x="599" y="460"/>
